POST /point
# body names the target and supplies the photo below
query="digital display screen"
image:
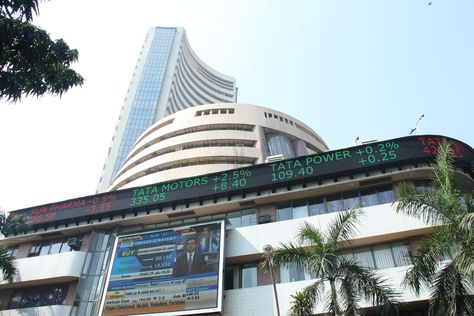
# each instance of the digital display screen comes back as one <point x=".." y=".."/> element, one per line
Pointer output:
<point x="169" y="272"/>
<point x="306" y="168"/>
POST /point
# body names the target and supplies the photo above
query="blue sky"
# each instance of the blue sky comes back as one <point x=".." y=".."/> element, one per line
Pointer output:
<point x="345" y="68"/>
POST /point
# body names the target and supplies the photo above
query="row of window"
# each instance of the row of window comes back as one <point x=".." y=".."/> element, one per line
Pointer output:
<point x="215" y="111"/>
<point x="275" y="116"/>
<point x="335" y="203"/>
<point x="237" y="219"/>
<point x="210" y="143"/>
<point x="383" y="256"/>
<point x="48" y="247"/>
<point x="195" y="129"/>
<point x="389" y="255"/>
<point x="241" y="218"/>
<point x="39" y="296"/>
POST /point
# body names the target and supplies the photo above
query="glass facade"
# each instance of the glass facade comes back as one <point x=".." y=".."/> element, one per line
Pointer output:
<point x="39" y="296"/>
<point x="279" y="144"/>
<point x="91" y="283"/>
<point x="292" y="273"/>
<point x="248" y="276"/>
<point x="147" y="94"/>
<point x="243" y="276"/>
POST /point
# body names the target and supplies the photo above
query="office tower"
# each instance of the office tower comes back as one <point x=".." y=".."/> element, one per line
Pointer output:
<point x="168" y="77"/>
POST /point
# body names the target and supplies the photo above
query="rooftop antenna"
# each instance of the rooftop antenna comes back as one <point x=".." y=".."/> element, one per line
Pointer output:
<point x="356" y="141"/>
<point x="417" y="128"/>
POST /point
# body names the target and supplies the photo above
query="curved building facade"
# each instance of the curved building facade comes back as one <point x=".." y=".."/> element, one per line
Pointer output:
<point x="214" y="137"/>
<point x="168" y="77"/>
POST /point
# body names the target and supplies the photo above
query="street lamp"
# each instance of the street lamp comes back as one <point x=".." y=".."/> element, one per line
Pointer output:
<point x="268" y="254"/>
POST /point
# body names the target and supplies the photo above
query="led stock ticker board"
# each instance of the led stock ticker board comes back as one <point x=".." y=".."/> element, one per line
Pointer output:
<point x="306" y="168"/>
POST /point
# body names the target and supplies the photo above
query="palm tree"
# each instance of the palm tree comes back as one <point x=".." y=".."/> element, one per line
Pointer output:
<point x="319" y="253"/>
<point x="301" y="304"/>
<point x="450" y="210"/>
<point x="9" y="225"/>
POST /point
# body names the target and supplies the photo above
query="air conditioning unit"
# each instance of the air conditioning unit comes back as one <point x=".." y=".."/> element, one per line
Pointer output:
<point x="263" y="219"/>
<point x="74" y="243"/>
<point x="274" y="158"/>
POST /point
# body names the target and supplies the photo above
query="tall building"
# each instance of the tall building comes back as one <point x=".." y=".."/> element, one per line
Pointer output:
<point x="168" y="77"/>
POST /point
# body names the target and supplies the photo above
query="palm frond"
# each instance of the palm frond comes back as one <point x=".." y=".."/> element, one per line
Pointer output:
<point x="310" y="254"/>
<point x="370" y="285"/>
<point x="443" y="169"/>
<point x="314" y="291"/>
<point x="434" y="248"/>
<point x="343" y="227"/>
<point x="463" y="258"/>
<point x="349" y="298"/>
<point x="7" y="267"/>
<point x="290" y="253"/>
<point x="309" y="235"/>
<point x="467" y="222"/>
<point x="305" y="300"/>
<point x="428" y="206"/>
<point x="332" y="302"/>
<point x="451" y="294"/>
<point x="301" y="304"/>
<point x="9" y="225"/>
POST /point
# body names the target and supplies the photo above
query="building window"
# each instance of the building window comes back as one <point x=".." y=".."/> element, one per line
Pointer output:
<point x="299" y="210"/>
<point x="39" y="296"/>
<point x="368" y="197"/>
<point x="279" y="144"/>
<point x="364" y="257"/>
<point x="284" y="214"/>
<point x="383" y="256"/>
<point x="385" y="194"/>
<point x="334" y="204"/>
<point x="229" y="273"/>
<point x="292" y="273"/>
<point x="12" y="251"/>
<point x="242" y="218"/>
<point x="316" y="207"/>
<point x="248" y="275"/>
<point x="401" y="253"/>
<point x="242" y="276"/>
<point x="49" y="247"/>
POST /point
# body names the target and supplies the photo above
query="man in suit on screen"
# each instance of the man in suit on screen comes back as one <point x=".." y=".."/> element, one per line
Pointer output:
<point x="191" y="262"/>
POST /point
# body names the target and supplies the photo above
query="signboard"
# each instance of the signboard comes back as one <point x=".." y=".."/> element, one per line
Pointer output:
<point x="169" y="272"/>
<point x="306" y="168"/>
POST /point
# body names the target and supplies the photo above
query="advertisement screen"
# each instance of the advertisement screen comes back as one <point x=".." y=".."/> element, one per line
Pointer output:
<point x="170" y="272"/>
